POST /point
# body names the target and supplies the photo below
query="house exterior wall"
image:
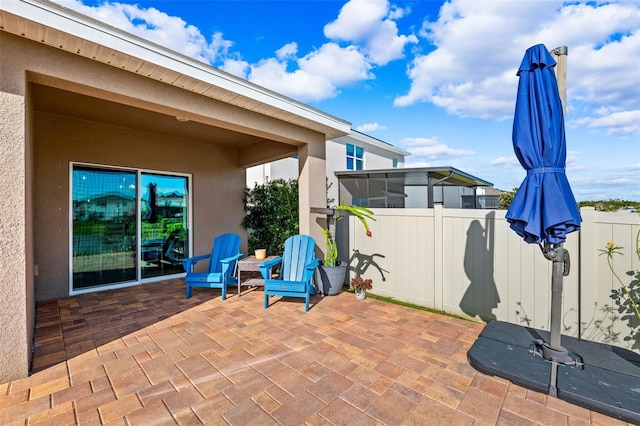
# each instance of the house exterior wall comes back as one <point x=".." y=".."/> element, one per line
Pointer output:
<point x="375" y="157"/>
<point x="38" y="146"/>
<point x="285" y="169"/>
<point x="470" y="263"/>
<point x="60" y="140"/>
<point x="17" y="313"/>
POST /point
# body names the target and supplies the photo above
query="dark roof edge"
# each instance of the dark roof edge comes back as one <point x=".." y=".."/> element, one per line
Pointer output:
<point x="427" y="170"/>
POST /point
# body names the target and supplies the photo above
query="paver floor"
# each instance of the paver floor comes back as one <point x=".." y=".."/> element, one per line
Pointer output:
<point x="147" y="356"/>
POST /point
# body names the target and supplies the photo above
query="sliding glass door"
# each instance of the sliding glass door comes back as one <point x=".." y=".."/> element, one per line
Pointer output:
<point x="164" y="227"/>
<point x="126" y="225"/>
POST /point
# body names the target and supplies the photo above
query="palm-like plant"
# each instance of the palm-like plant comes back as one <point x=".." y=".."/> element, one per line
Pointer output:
<point x="362" y="213"/>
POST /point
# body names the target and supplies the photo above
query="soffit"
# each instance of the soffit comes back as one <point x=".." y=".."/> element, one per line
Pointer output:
<point x="50" y="24"/>
<point x="65" y="103"/>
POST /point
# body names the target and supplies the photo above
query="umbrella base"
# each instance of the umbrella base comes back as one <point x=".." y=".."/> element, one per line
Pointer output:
<point x="600" y="377"/>
<point x="559" y="355"/>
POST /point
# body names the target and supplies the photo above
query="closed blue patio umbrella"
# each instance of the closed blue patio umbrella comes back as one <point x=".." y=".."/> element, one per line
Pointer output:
<point x="544" y="209"/>
<point x="596" y="376"/>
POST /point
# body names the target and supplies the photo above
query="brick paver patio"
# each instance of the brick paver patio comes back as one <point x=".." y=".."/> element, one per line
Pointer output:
<point x="147" y="356"/>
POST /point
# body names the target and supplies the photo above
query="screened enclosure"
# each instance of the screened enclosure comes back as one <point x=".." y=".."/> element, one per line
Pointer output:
<point x="412" y="188"/>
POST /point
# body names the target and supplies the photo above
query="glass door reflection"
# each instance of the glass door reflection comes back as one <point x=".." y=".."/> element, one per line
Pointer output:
<point x="104" y="227"/>
<point x="163" y="224"/>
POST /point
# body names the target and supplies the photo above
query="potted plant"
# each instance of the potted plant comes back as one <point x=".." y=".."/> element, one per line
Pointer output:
<point x="360" y="286"/>
<point x="331" y="273"/>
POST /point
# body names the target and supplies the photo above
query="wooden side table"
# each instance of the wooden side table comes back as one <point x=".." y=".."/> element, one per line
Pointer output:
<point x="250" y="264"/>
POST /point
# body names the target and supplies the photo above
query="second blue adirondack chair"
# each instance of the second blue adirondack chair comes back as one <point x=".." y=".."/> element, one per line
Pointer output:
<point x="222" y="261"/>
<point x="298" y="264"/>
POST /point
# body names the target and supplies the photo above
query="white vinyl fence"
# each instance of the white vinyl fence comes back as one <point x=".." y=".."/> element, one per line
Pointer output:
<point x="470" y="263"/>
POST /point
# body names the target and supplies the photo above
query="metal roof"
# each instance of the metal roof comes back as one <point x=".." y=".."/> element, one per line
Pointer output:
<point x="55" y="26"/>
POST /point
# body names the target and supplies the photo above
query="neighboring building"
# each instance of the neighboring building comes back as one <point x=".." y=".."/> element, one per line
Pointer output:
<point x="485" y="198"/>
<point x="411" y="187"/>
<point x="120" y="156"/>
<point x="355" y="151"/>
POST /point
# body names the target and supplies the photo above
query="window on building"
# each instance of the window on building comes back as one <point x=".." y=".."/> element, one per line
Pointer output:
<point x="395" y="163"/>
<point x="355" y="157"/>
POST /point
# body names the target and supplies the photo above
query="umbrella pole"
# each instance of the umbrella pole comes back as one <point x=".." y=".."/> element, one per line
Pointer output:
<point x="560" y="56"/>
<point x="553" y="351"/>
<point x="557" y="275"/>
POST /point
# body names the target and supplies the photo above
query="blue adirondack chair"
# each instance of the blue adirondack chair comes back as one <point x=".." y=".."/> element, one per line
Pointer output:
<point x="298" y="264"/>
<point x="222" y="261"/>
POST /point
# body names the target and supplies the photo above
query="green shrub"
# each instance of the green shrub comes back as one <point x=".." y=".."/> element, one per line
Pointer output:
<point x="506" y="198"/>
<point x="271" y="215"/>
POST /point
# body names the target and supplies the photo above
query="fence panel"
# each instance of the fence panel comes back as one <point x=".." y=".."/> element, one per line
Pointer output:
<point x="470" y="263"/>
<point x="600" y="316"/>
<point x="399" y="257"/>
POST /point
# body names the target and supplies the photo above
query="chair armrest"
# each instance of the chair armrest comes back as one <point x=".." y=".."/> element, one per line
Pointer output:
<point x="191" y="261"/>
<point x="232" y="258"/>
<point x="313" y="264"/>
<point x="265" y="267"/>
<point x="310" y="269"/>
<point x="229" y="261"/>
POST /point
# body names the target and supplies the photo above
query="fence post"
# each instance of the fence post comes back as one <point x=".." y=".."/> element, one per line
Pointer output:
<point x="438" y="280"/>
<point x="587" y="272"/>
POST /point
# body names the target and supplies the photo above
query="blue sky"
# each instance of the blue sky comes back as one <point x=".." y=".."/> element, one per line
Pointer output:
<point x="437" y="78"/>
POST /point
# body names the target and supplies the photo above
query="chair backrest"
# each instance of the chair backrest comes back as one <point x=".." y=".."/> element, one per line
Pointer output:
<point x="299" y="251"/>
<point x="224" y="246"/>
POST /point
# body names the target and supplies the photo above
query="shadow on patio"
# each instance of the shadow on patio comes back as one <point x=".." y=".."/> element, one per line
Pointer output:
<point x="71" y="326"/>
<point x="146" y="355"/>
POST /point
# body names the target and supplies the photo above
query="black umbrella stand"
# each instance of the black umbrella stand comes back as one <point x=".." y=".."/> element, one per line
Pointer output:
<point x="593" y="375"/>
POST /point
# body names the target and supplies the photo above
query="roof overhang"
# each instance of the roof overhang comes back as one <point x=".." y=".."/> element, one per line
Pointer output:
<point x="356" y="136"/>
<point x="55" y="26"/>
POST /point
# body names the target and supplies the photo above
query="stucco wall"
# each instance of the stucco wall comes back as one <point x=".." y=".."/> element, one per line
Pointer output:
<point x="16" y="285"/>
<point x="217" y="184"/>
<point x="14" y="315"/>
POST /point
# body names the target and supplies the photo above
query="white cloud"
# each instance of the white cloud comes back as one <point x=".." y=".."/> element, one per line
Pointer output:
<point x="239" y="68"/>
<point x="619" y="123"/>
<point x="289" y="50"/>
<point x="599" y="185"/>
<point x="151" y="24"/>
<point x="506" y="162"/>
<point x="371" y="25"/>
<point x="320" y="74"/>
<point x="409" y="162"/>
<point x="477" y="46"/>
<point x="572" y="161"/>
<point x="424" y="150"/>
<point x="613" y="121"/>
<point x="369" y="127"/>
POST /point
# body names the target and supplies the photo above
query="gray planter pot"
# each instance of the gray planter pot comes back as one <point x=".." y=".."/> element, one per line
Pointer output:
<point x="331" y="279"/>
